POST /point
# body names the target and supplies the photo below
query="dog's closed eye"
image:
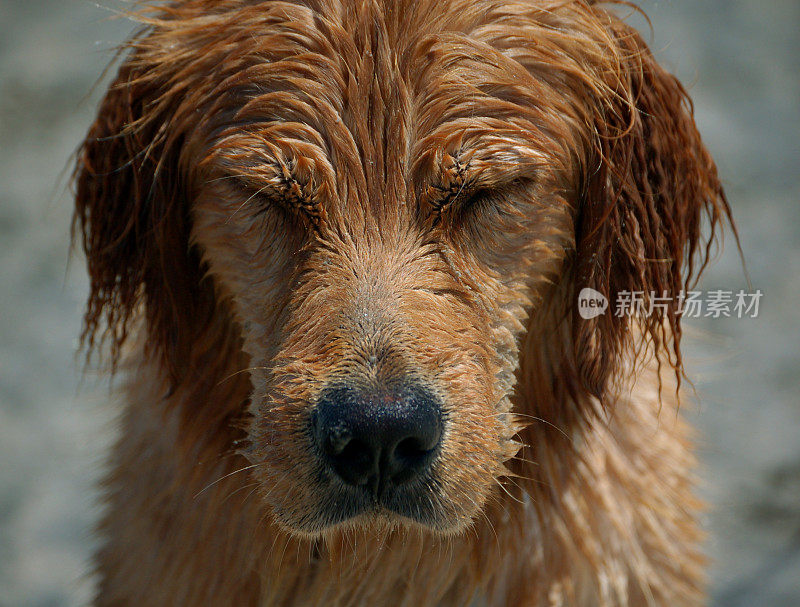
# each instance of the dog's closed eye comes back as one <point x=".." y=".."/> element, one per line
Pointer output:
<point x="475" y="202"/>
<point x="283" y="194"/>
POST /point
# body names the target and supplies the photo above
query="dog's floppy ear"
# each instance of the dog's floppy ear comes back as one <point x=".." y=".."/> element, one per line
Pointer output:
<point x="649" y="184"/>
<point x="132" y="214"/>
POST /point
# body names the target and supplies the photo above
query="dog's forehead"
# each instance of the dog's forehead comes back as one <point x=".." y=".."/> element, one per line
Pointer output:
<point x="367" y="112"/>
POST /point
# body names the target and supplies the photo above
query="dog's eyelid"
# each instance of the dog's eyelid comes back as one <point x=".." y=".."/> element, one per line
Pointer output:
<point x="288" y="195"/>
<point x="255" y="197"/>
<point x="516" y="185"/>
<point x="473" y="192"/>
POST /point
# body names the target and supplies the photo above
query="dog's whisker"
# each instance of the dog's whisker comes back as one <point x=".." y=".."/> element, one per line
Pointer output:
<point x="488" y="521"/>
<point x="222" y="478"/>
<point x="499" y="483"/>
<point x="530" y="462"/>
<point x="251" y="197"/>
<point x="252" y="486"/>
<point x="286" y="543"/>
<point x="239" y="372"/>
<point x="546" y="422"/>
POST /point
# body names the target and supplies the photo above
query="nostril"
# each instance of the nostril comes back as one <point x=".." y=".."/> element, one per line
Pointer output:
<point x="352" y="459"/>
<point x="356" y="455"/>
<point x="411" y="449"/>
<point x="410" y="456"/>
<point x="337" y="440"/>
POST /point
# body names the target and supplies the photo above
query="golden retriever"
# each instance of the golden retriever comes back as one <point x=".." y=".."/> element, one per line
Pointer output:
<point x="336" y="247"/>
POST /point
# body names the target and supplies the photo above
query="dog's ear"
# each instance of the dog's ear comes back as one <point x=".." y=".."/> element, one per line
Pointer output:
<point x="132" y="214"/>
<point x="650" y="185"/>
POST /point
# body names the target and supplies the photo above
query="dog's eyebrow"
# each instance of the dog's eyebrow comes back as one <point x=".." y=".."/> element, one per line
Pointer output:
<point x="296" y="174"/>
<point x="284" y="189"/>
<point x="454" y="180"/>
<point x="461" y="173"/>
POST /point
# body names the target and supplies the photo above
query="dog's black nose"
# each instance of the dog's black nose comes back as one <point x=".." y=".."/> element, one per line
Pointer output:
<point x="373" y="438"/>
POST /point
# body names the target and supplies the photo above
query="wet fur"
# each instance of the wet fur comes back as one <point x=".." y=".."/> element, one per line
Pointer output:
<point x="277" y="195"/>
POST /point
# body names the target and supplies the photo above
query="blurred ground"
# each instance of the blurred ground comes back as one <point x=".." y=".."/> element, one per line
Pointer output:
<point x="741" y="60"/>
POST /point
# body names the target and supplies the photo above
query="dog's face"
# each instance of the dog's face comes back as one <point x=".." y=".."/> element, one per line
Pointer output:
<point x="383" y="198"/>
<point x="368" y="273"/>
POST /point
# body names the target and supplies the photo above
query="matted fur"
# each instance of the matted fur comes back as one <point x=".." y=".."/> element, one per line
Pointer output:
<point x="276" y="196"/>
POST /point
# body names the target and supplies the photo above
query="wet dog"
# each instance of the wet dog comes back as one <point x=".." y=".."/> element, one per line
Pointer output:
<point x="337" y="249"/>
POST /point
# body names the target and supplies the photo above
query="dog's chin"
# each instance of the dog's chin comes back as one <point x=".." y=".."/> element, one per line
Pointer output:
<point x="353" y="511"/>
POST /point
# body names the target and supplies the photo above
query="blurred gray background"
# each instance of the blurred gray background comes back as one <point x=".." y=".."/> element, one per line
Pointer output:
<point x="741" y="62"/>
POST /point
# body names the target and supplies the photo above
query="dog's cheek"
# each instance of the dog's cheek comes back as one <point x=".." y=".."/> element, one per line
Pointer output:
<point x="514" y="261"/>
<point x="285" y="465"/>
<point x="468" y="471"/>
<point x="507" y="276"/>
<point x="249" y="258"/>
<point x="475" y="443"/>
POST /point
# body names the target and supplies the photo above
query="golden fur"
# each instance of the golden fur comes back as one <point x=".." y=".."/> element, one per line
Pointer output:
<point x="277" y="195"/>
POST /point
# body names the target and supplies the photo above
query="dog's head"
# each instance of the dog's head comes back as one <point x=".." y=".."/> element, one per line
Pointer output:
<point x="393" y="206"/>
